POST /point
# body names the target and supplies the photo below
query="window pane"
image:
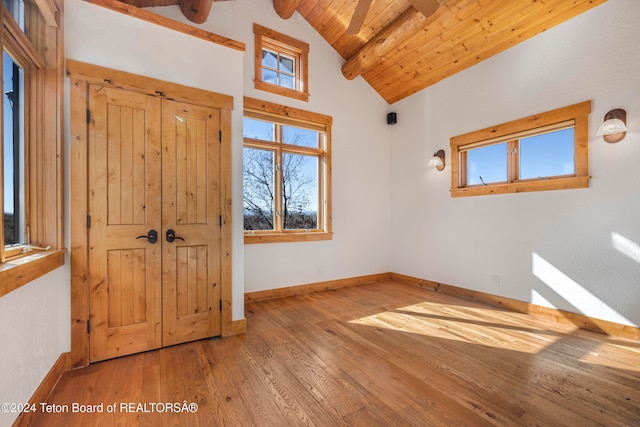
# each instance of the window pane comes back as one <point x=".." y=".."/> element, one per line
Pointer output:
<point x="487" y="164"/>
<point x="258" y="189"/>
<point x="14" y="212"/>
<point x="286" y="64"/>
<point x="300" y="191"/>
<point x="286" y="81"/>
<point x="16" y="9"/>
<point x="269" y="76"/>
<point x="269" y="59"/>
<point x="258" y="129"/>
<point x="550" y="154"/>
<point x="298" y="136"/>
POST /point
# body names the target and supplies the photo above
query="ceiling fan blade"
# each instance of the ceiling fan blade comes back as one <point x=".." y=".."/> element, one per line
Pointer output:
<point x="358" y="16"/>
<point x="425" y="7"/>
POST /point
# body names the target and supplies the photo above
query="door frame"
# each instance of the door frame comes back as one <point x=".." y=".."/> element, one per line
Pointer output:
<point x="81" y="74"/>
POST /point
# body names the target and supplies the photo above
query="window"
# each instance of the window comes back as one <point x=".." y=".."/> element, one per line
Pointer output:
<point x="548" y="151"/>
<point x="287" y="166"/>
<point x="31" y="178"/>
<point x="14" y="196"/>
<point x="281" y="64"/>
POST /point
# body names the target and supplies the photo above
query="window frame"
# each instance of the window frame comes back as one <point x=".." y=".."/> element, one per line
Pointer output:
<point x="576" y="115"/>
<point x="287" y="116"/>
<point x="271" y="40"/>
<point x="38" y="50"/>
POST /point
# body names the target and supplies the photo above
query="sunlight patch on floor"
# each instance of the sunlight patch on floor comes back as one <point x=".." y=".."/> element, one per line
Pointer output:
<point x="601" y="356"/>
<point x="423" y="319"/>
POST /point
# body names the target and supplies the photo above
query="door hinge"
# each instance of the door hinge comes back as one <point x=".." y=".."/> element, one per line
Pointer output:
<point x="88" y="116"/>
<point x="220" y="305"/>
<point x="220" y="220"/>
<point x="88" y="326"/>
<point x="219" y="136"/>
<point x="88" y="221"/>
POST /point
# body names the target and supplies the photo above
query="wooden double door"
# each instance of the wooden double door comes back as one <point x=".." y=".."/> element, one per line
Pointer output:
<point x="154" y="222"/>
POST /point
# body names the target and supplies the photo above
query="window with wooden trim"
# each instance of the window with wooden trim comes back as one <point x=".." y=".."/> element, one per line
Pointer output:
<point x="547" y="151"/>
<point x="287" y="174"/>
<point x="281" y="64"/>
<point x="31" y="166"/>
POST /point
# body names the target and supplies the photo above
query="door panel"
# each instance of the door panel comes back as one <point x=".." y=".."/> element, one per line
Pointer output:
<point x="153" y="165"/>
<point x="191" y="207"/>
<point x="124" y="203"/>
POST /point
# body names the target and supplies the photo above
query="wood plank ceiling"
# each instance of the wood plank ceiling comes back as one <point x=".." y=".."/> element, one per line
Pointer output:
<point x="400" y="52"/>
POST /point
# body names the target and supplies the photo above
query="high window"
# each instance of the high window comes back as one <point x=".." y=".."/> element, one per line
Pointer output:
<point x="548" y="151"/>
<point x="31" y="155"/>
<point x="287" y="166"/>
<point x="281" y="64"/>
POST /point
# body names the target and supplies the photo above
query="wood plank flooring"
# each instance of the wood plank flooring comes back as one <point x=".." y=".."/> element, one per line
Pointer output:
<point x="380" y="354"/>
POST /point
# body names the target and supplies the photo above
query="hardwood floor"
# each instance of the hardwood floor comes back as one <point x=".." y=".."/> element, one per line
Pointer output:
<point x="380" y="354"/>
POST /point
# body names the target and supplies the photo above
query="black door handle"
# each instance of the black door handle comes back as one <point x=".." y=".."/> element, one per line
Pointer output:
<point x="171" y="236"/>
<point x="152" y="236"/>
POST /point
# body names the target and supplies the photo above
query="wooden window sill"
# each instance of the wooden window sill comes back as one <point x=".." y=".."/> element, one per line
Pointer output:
<point x="283" y="91"/>
<point x="21" y="270"/>
<point x="523" y="186"/>
<point x="286" y="237"/>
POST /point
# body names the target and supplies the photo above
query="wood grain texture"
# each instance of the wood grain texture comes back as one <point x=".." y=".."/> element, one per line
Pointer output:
<point x="192" y="207"/>
<point x="20" y="271"/>
<point x="399" y="56"/>
<point x="221" y="184"/>
<point x="196" y="11"/>
<point x="580" y="320"/>
<point x="384" y="354"/>
<point x="162" y="21"/>
<point x="124" y="176"/>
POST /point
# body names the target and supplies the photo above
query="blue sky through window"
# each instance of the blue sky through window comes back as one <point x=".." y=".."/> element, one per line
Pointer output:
<point x="8" y="134"/>
<point x="549" y="154"/>
<point x="545" y="155"/>
<point x="487" y="164"/>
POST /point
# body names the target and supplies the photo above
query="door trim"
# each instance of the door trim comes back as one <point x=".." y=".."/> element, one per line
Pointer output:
<point x="81" y="74"/>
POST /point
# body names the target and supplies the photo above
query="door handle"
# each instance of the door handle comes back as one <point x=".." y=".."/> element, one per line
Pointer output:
<point x="152" y="236"/>
<point x="171" y="236"/>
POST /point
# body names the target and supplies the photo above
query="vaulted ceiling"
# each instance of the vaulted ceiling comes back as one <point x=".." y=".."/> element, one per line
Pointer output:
<point x="398" y="50"/>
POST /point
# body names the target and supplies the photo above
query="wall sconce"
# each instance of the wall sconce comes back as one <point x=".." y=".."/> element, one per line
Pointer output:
<point x="614" y="127"/>
<point x="437" y="160"/>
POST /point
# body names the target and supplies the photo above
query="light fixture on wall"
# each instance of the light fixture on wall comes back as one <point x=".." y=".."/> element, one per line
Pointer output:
<point x="437" y="160"/>
<point x="614" y="127"/>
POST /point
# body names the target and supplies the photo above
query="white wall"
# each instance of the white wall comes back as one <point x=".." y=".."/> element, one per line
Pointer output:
<point x="102" y="37"/>
<point x="34" y="331"/>
<point x="577" y="250"/>
<point x="361" y="167"/>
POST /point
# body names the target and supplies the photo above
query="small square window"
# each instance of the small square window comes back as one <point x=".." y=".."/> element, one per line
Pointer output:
<point x="281" y="64"/>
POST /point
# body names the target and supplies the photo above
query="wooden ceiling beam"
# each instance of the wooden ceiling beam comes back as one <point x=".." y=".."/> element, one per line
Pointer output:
<point x="405" y="26"/>
<point x="196" y="11"/>
<point x="285" y="8"/>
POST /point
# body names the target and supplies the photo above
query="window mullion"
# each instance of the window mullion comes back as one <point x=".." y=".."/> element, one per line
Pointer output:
<point x="278" y="176"/>
<point x="278" y="224"/>
<point x="513" y="160"/>
<point x="463" y="170"/>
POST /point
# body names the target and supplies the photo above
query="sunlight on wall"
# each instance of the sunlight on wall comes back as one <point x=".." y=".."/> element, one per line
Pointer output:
<point x="572" y="292"/>
<point x="626" y="246"/>
<point x="538" y="299"/>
